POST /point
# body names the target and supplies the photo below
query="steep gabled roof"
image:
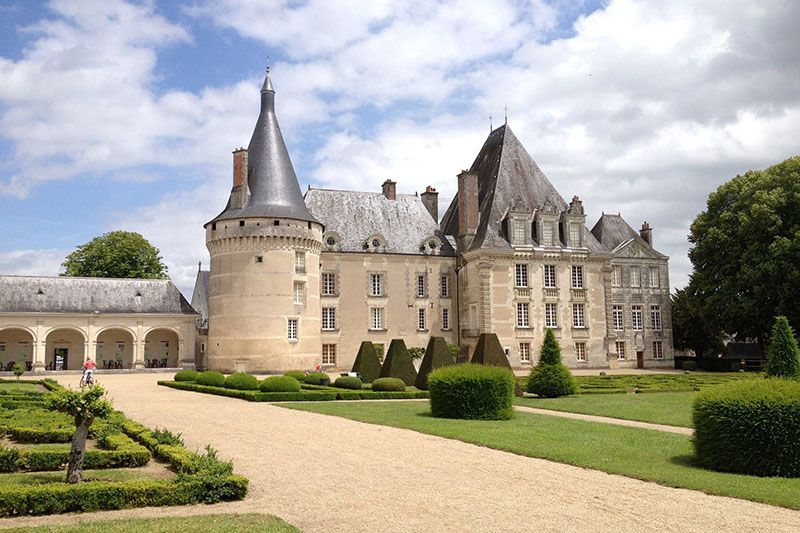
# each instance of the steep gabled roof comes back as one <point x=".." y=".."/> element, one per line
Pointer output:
<point x="404" y="223"/>
<point x="613" y="232"/>
<point x="507" y="177"/>
<point x="41" y="294"/>
<point x="200" y="294"/>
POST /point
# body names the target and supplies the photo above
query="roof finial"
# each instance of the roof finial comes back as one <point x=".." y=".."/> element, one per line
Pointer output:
<point x="490" y="123"/>
<point x="267" y="82"/>
<point x="506" y="112"/>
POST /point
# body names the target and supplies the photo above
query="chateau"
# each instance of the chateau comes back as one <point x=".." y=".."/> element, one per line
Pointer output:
<point x="297" y="281"/>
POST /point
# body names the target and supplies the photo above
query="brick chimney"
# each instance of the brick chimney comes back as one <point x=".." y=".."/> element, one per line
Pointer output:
<point x="467" y="207"/>
<point x="646" y="233"/>
<point x="390" y="189"/>
<point x="239" y="190"/>
<point x="430" y="199"/>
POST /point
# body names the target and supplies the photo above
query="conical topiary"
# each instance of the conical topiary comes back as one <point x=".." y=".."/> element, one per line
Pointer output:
<point x="551" y="351"/>
<point x="549" y="378"/>
<point x="784" y="356"/>
<point x="490" y="352"/>
<point x="398" y="363"/>
<point x="367" y="363"/>
<point x="437" y="355"/>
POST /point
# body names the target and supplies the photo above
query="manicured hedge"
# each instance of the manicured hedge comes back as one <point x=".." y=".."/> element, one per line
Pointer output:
<point x="689" y="365"/>
<point x="186" y="375"/>
<point x="211" y="378"/>
<point x="242" y="381"/>
<point x="551" y="381"/>
<point x="299" y="375"/>
<point x="389" y="385"/>
<point x="348" y="382"/>
<point x="398" y="363"/>
<point x="280" y="384"/>
<point x="367" y="363"/>
<point x="253" y="396"/>
<point x="474" y="392"/>
<point x="317" y="378"/>
<point x="437" y="355"/>
<point x="749" y="427"/>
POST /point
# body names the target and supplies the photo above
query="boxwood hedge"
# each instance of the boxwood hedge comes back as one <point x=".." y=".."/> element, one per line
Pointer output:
<point x="299" y="375"/>
<point x="475" y="392"/>
<point x="242" y="381"/>
<point x="389" y="385"/>
<point x="317" y="378"/>
<point x="348" y="382"/>
<point x="280" y="384"/>
<point x="211" y="378"/>
<point x="749" y="427"/>
<point x="186" y="375"/>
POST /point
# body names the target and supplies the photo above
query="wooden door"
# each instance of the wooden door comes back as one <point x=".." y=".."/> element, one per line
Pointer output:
<point x="640" y="359"/>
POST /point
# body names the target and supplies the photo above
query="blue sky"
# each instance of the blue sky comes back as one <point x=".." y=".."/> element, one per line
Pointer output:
<point x="121" y="114"/>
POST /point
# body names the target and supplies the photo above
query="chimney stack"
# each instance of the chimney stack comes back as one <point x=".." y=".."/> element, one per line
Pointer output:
<point x="239" y="190"/>
<point x="646" y="233"/>
<point x="467" y="207"/>
<point x="430" y="199"/>
<point x="390" y="189"/>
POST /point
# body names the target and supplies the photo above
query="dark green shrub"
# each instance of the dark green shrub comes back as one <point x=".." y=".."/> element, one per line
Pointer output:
<point x="317" y="378"/>
<point x="416" y="353"/>
<point x="783" y="354"/>
<point x="689" y="365"/>
<point x="299" y="375"/>
<point x="398" y="363"/>
<point x="283" y="383"/>
<point x="749" y="427"/>
<point x="367" y="363"/>
<point x="551" y="381"/>
<point x="389" y="385"/>
<point x="348" y="382"/>
<point x="211" y="378"/>
<point x="186" y="375"/>
<point x="242" y="381"/>
<point x="8" y="458"/>
<point x="489" y="351"/>
<point x="165" y="436"/>
<point x="550" y="353"/>
<point x="437" y="355"/>
<point x="473" y="392"/>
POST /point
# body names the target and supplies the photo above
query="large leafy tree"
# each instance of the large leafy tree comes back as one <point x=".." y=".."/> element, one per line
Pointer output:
<point x="746" y="251"/>
<point x="690" y="331"/>
<point x="117" y="254"/>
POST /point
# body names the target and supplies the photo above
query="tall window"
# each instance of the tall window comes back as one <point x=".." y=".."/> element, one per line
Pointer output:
<point x="574" y="235"/>
<point x="376" y="318"/>
<point x="616" y="280"/>
<point x="550" y="316"/>
<point x="328" y="284"/>
<point x="329" y="354"/>
<point x="421" y="322"/>
<point x="658" y="352"/>
<point x="519" y="231"/>
<point x="376" y="285"/>
<point x="444" y="286"/>
<point x="445" y="318"/>
<point x="328" y="318"/>
<point x="577" y="277"/>
<point x="422" y="286"/>
<point x="299" y="292"/>
<point x="636" y="317"/>
<point x="291" y="329"/>
<point x="549" y="276"/>
<point x="635" y="272"/>
<point x="654" y="277"/>
<point x="620" y="350"/>
<point x="655" y="317"/>
<point x="524" y="352"/>
<point x="580" y="351"/>
<point x="523" y="315"/>
<point x="547" y="234"/>
<point x="300" y="262"/>
<point x="616" y="316"/>
<point x="521" y="277"/>
<point x="578" y="316"/>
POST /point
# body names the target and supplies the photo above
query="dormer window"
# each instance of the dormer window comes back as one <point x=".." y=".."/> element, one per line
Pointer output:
<point x="332" y="240"/>
<point x="431" y="246"/>
<point x="547" y="234"/>
<point x="375" y="243"/>
<point x="574" y="234"/>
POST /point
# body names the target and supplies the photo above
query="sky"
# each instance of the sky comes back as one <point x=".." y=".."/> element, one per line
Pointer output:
<point x="123" y="115"/>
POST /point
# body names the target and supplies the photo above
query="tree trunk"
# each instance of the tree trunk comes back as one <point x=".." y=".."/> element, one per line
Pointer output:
<point x="75" y="466"/>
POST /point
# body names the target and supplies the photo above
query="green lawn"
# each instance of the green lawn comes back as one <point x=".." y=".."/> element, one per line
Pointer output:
<point x="112" y="474"/>
<point x="657" y="456"/>
<point x="653" y="382"/>
<point x="242" y="523"/>
<point x="21" y="386"/>
<point x="670" y="408"/>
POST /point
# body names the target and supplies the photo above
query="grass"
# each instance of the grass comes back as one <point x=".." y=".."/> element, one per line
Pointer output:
<point x="240" y="523"/>
<point x="115" y="474"/>
<point x="692" y="381"/>
<point x="21" y="386"/>
<point x="670" y="408"/>
<point x="664" y="458"/>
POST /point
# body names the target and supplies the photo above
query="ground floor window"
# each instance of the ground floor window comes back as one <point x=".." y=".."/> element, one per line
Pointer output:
<point x="524" y="352"/>
<point x="329" y="354"/>
<point x="580" y="351"/>
<point x="620" y="350"/>
<point x="658" y="352"/>
<point x="291" y="329"/>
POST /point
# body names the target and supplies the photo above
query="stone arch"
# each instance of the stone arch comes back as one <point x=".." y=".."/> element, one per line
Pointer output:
<point x="161" y="347"/>
<point x="114" y="347"/>
<point x="65" y="348"/>
<point x="17" y="344"/>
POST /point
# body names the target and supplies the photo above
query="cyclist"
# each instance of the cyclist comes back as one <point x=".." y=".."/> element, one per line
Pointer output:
<point x="88" y="372"/>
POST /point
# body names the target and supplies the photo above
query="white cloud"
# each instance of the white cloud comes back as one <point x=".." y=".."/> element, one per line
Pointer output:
<point x="32" y="262"/>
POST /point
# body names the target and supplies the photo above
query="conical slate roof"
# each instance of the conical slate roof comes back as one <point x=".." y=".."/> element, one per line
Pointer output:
<point x="271" y="181"/>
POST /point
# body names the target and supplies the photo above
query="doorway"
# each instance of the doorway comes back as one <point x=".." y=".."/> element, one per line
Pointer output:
<point x="640" y="359"/>
<point x="60" y="357"/>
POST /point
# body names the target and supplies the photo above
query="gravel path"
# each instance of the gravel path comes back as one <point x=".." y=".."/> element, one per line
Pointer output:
<point x="606" y="420"/>
<point x="325" y="473"/>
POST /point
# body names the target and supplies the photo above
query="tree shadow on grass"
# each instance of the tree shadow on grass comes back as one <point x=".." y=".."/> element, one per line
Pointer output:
<point x="685" y="460"/>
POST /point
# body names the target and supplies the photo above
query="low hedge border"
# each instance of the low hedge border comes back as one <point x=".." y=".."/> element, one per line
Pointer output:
<point x="309" y="393"/>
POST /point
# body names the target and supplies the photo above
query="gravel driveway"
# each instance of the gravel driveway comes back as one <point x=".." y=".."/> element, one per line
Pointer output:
<point x="324" y="473"/>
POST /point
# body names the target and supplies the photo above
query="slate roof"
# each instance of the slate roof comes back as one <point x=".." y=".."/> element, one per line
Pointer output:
<point x="40" y="294"/>
<point x="200" y="295"/>
<point x="612" y="231"/>
<point x="404" y="223"/>
<point x="507" y="176"/>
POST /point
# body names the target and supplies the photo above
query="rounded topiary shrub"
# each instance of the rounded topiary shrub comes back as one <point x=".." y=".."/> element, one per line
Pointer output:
<point x="474" y="392"/>
<point x="551" y="381"/>
<point x="689" y="365"/>
<point x="186" y="375"/>
<point x="283" y="383"/>
<point x="211" y="378"/>
<point x="348" y="382"/>
<point x="242" y="381"/>
<point x="389" y="385"/>
<point x="749" y="427"/>
<point x="299" y="375"/>
<point x="317" y="378"/>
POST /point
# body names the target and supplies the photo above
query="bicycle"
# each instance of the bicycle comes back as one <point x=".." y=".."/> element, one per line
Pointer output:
<point x="87" y="380"/>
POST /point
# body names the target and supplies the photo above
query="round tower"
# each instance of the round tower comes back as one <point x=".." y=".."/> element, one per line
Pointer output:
<point x="263" y="303"/>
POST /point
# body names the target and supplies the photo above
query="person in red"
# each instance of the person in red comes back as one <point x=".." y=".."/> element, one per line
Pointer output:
<point x="88" y="372"/>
